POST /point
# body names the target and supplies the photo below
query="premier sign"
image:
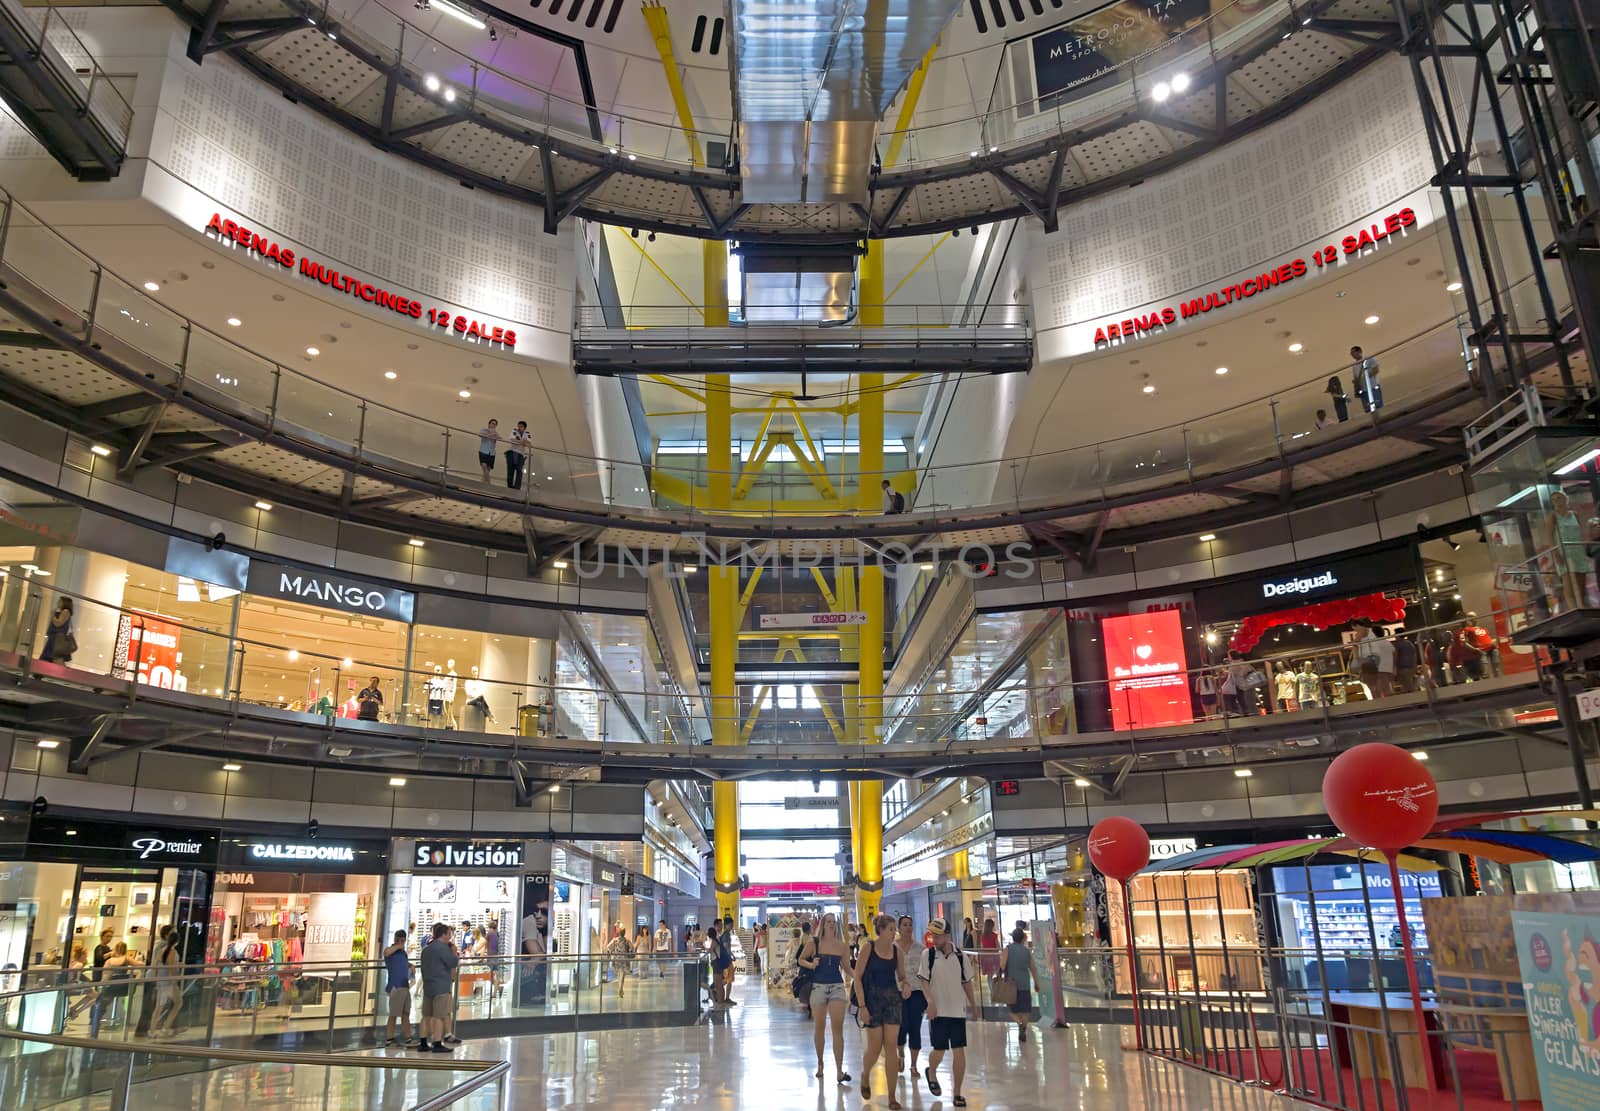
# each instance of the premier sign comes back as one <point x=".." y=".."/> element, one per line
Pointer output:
<point x="1307" y="585"/>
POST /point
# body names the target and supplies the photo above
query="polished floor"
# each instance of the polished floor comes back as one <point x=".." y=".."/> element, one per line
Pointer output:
<point x="760" y="1055"/>
<point x="756" y="1055"/>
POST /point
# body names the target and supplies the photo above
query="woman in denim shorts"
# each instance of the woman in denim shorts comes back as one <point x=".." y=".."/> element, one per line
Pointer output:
<point x="828" y="956"/>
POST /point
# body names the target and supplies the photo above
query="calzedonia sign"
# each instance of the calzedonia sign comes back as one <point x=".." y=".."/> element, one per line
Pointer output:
<point x="439" y="317"/>
<point x="1325" y="257"/>
<point x="467" y="854"/>
<point x="273" y="580"/>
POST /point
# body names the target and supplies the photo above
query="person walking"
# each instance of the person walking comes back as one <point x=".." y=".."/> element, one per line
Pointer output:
<point x="1018" y="969"/>
<point x="59" y="643"/>
<point x="946" y="978"/>
<point x="916" y="1003"/>
<point x="725" y="940"/>
<point x="990" y="941"/>
<point x="164" y="970"/>
<point x="828" y="958"/>
<point x="1364" y="379"/>
<point x="488" y="444"/>
<point x="439" y="962"/>
<point x="881" y="990"/>
<point x="397" y="989"/>
<point x="969" y="935"/>
<point x="517" y="455"/>
<point x="662" y="948"/>
<point x="1377" y="663"/>
<point x="102" y="953"/>
<point x="120" y="967"/>
<point x="1341" y="401"/>
<point x="620" y="951"/>
<point x="643" y="946"/>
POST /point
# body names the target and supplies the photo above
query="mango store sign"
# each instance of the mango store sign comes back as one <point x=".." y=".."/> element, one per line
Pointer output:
<point x="1356" y="244"/>
<point x="440" y="318"/>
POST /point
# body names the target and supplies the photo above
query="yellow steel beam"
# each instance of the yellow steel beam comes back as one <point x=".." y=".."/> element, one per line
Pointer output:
<point x="748" y="593"/>
<point x="917" y="266"/>
<point x="666" y="277"/>
<point x="655" y="17"/>
<point x="691" y="394"/>
<point x="822" y="585"/>
<point x="908" y="107"/>
<point x="755" y="714"/>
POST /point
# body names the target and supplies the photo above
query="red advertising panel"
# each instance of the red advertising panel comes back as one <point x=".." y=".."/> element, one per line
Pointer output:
<point x="147" y="646"/>
<point x="1145" y="666"/>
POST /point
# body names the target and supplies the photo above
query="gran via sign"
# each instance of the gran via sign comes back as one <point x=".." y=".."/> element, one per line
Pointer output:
<point x="274" y="580"/>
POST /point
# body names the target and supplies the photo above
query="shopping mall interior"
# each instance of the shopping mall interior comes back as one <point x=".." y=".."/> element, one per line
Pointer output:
<point x="1016" y="552"/>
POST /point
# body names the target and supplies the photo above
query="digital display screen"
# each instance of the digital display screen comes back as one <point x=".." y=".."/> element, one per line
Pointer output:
<point x="1008" y="786"/>
<point x="1145" y="669"/>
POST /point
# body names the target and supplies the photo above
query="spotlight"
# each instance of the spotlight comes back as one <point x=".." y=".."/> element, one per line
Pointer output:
<point x="449" y="96"/>
<point x="424" y="5"/>
<point x="430" y="82"/>
<point x="973" y="229"/>
<point x="634" y="232"/>
<point x="955" y="233"/>
<point x="1161" y="91"/>
<point x="494" y="33"/>
<point x="1180" y="82"/>
<point x="651" y="238"/>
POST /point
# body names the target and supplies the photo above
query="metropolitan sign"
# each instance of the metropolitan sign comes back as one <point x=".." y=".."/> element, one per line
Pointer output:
<point x="811" y="620"/>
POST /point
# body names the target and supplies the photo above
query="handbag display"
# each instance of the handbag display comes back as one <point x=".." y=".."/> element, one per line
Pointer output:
<point x="1003" y="990"/>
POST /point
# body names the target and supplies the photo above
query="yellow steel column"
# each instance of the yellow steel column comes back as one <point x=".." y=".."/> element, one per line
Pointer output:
<point x="723" y="587"/>
<point x="869" y="649"/>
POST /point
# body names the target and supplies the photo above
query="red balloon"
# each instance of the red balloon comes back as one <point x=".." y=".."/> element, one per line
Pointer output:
<point x="1119" y="847"/>
<point x="1380" y="796"/>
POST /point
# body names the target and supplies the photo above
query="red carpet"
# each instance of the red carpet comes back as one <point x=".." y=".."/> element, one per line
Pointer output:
<point x="1314" y="1078"/>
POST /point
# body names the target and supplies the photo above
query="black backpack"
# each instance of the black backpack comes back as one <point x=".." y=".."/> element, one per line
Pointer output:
<point x="899" y="502"/>
<point x="927" y="964"/>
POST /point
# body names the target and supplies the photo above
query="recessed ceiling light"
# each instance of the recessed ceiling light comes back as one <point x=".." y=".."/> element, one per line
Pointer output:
<point x="1080" y="782"/>
<point x="265" y="507"/>
<point x="555" y="788"/>
<point x="559" y="564"/>
<point x="1453" y="287"/>
<point x="1180" y="82"/>
<point x="1296" y="347"/>
<point x="449" y="96"/>
<point x="464" y="394"/>
<point x="234" y="322"/>
<point x="397" y="781"/>
<point x="313" y="352"/>
<point x="348" y="663"/>
<point x="232" y="767"/>
<point x="390" y="375"/>
<point x="1161" y="91"/>
<point x="1243" y="773"/>
<point x="1222" y="370"/>
<point x="689" y="568"/>
<point x="72" y="833"/>
<point x="1149" y="388"/>
<point x="292" y="655"/>
<point x="1373" y="319"/>
<point x="1419" y="754"/>
<point x="48" y="742"/>
<point x="431" y="82"/>
<point x="415" y="542"/>
<point x="925" y="567"/>
<point x="100" y="449"/>
<point x="1208" y="537"/>
<point x="152" y="286"/>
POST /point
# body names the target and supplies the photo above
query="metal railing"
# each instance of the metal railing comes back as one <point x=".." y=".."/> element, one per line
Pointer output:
<point x="116" y="324"/>
<point x="72" y="60"/>
<point x="222" y="668"/>
<point x="339" y="1005"/>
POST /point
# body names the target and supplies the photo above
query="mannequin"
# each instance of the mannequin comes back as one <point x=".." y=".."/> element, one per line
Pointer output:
<point x="435" y="688"/>
<point x="475" y="715"/>
<point x="450" y="682"/>
<point x="1309" y="685"/>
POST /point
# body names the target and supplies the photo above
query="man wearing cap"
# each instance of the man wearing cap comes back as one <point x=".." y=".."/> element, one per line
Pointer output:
<point x="946" y="980"/>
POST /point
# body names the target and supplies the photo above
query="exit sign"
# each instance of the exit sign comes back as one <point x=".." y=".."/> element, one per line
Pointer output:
<point x="1008" y="787"/>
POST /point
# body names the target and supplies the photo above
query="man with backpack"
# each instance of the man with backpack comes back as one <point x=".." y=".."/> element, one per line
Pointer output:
<point x="945" y="978"/>
<point x="894" y="502"/>
<point x="1407" y="659"/>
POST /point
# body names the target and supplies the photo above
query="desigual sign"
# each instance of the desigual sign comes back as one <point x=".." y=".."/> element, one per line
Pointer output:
<point x="273" y="580"/>
<point x="468" y="854"/>
<point x="1307" y="584"/>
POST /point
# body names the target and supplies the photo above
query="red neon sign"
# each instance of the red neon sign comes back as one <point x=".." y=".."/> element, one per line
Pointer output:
<point x="1133" y="327"/>
<point x="1145" y="666"/>
<point x="464" y="327"/>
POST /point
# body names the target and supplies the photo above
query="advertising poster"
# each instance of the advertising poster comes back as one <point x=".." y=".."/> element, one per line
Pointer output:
<point x="1145" y="666"/>
<point x="1067" y="59"/>
<point x="1560" y="959"/>
<point x="330" y="927"/>
<point x="152" y="644"/>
